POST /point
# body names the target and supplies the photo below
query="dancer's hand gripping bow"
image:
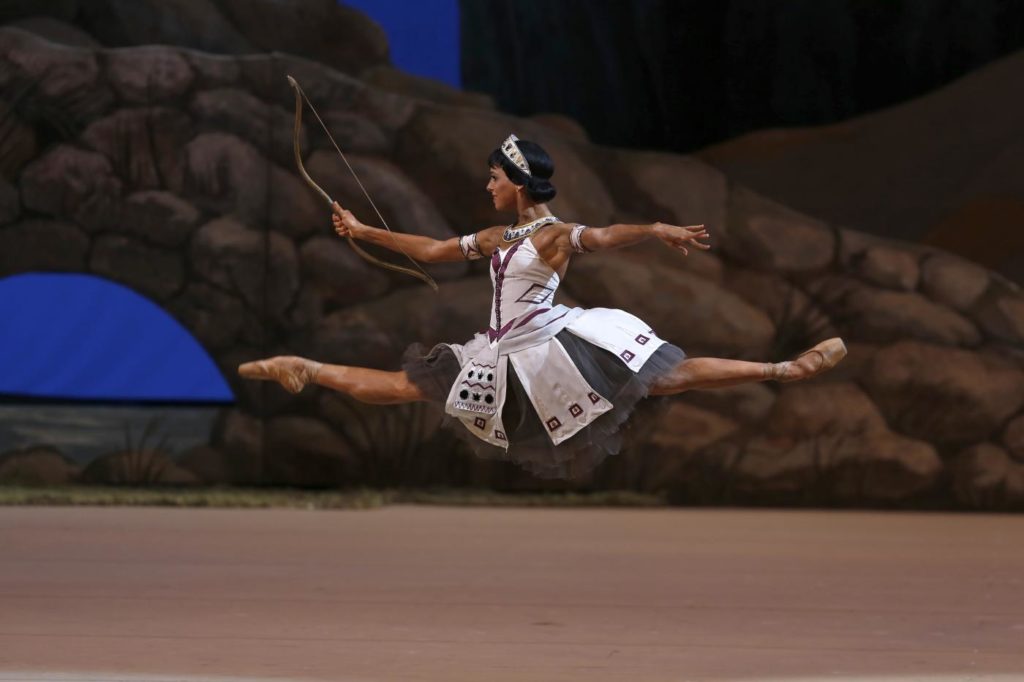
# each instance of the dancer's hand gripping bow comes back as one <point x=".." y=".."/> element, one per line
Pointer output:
<point x="418" y="273"/>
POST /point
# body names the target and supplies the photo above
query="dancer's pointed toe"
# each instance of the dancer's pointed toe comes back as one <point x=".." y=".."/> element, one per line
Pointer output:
<point x="822" y="357"/>
<point x="293" y="373"/>
<point x="254" y="370"/>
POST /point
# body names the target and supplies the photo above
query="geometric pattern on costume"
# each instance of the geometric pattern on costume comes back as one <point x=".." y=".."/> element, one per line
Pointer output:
<point x="563" y="399"/>
<point x="558" y="392"/>
<point x="626" y="336"/>
<point x="477" y="396"/>
<point x="477" y="391"/>
<point x="536" y="294"/>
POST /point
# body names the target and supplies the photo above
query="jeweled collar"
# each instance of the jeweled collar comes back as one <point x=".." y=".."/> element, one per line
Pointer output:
<point x="512" y="234"/>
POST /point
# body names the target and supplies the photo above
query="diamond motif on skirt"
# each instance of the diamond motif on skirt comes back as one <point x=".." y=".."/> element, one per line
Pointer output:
<point x="480" y="422"/>
<point x="575" y="410"/>
<point x="641" y="339"/>
<point x="499" y="434"/>
<point x="553" y="423"/>
<point x="627" y="355"/>
<point x="594" y="398"/>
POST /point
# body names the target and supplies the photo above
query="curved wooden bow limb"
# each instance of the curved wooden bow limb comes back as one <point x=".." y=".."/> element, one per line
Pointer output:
<point x="419" y="272"/>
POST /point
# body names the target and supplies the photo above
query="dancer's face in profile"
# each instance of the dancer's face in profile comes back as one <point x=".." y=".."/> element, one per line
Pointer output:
<point x="503" y="191"/>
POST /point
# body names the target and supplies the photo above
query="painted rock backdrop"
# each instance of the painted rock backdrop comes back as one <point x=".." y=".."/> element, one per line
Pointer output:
<point x="169" y="169"/>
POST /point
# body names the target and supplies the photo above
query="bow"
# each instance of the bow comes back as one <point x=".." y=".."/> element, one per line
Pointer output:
<point x="418" y="273"/>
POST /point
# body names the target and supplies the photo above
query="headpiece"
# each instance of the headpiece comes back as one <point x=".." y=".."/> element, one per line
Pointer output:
<point x="511" y="151"/>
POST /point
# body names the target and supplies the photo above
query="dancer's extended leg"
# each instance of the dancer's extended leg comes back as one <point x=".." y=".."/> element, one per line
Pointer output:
<point x="700" y="373"/>
<point x="366" y="385"/>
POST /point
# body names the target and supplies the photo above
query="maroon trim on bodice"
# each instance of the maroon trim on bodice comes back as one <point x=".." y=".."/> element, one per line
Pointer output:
<point x="499" y="280"/>
<point x="556" y="319"/>
<point x="518" y="322"/>
<point x="514" y="323"/>
<point x="529" y="316"/>
<point x="493" y="333"/>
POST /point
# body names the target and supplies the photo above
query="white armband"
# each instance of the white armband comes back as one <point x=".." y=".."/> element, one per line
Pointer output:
<point x="470" y="248"/>
<point x="576" y="239"/>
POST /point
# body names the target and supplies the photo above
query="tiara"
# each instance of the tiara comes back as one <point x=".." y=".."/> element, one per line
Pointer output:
<point x="511" y="151"/>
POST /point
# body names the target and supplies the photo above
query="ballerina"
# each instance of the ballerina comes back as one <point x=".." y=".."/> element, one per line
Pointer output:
<point x="545" y="386"/>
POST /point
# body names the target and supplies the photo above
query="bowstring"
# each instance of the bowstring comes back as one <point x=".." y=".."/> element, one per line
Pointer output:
<point x="360" y="183"/>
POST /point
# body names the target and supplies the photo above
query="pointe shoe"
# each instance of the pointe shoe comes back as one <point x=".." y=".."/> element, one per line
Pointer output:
<point x="292" y="372"/>
<point x="828" y="354"/>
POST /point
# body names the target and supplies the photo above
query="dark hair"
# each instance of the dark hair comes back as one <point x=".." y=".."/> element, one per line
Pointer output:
<point x="538" y="184"/>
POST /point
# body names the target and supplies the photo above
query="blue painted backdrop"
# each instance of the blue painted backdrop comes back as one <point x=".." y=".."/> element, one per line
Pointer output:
<point x="81" y="337"/>
<point x="423" y="35"/>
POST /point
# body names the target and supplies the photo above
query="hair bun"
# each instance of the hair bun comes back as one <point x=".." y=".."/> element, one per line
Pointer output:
<point x="540" y="189"/>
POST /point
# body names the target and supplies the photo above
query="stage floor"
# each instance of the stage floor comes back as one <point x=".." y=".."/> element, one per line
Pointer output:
<point x="489" y="595"/>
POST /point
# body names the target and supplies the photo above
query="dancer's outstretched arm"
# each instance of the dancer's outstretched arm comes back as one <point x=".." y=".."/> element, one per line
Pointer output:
<point x="417" y="247"/>
<point x="559" y="244"/>
<point x="617" y="236"/>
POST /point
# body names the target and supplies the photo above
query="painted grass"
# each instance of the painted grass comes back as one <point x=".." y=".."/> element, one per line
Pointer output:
<point x="259" y="498"/>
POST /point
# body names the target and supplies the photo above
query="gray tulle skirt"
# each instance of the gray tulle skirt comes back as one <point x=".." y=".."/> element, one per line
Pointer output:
<point x="529" y="444"/>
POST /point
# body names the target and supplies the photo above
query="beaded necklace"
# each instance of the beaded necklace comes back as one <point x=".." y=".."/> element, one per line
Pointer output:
<point x="512" y="234"/>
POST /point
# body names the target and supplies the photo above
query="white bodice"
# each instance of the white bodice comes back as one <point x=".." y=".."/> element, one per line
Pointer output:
<point x="524" y="286"/>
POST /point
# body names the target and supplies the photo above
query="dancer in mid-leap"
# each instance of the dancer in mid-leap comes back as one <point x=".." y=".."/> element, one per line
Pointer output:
<point x="546" y="386"/>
